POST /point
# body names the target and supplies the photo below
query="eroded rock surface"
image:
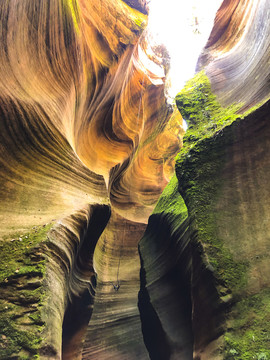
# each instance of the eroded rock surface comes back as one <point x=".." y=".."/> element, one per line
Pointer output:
<point x="211" y="222"/>
<point x="236" y="56"/>
<point x="85" y="131"/>
<point x="88" y="144"/>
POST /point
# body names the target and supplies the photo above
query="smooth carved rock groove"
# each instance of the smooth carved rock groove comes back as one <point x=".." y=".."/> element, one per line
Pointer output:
<point x="70" y="279"/>
<point x="87" y="145"/>
<point x="236" y="57"/>
<point x="85" y="132"/>
<point x="83" y="108"/>
<point x="116" y="318"/>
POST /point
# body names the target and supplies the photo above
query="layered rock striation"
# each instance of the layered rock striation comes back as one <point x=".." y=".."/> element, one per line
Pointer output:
<point x="87" y="146"/>
<point x="86" y="136"/>
<point x="77" y="95"/>
<point x="236" y="55"/>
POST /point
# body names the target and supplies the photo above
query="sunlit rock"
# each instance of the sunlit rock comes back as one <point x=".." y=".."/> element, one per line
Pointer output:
<point x="88" y="143"/>
<point x="236" y="57"/>
<point x="85" y="128"/>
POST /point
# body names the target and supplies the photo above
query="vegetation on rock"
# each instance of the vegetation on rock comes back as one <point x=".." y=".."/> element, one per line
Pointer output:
<point x="202" y="111"/>
<point x="199" y="163"/>
<point x="171" y="201"/>
<point x="22" y="270"/>
<point x="250" y="328"/>
<point x="211" y="131"/>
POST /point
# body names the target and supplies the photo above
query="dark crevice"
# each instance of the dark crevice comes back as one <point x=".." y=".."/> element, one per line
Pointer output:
<point x="77" y="317"/>
<point x="179" y="305"/>
<point x="208" y="311"/>
<point x="171" y="287"/>
<point x="140" y="5"/>
<point x="79" y="309"/>
<point x="153" y="334"/>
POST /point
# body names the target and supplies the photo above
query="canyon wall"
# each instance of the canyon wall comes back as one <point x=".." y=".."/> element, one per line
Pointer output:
<point x="87" y="139"/>
<point x="205" y="252"/>
<point x="88" y="143"/>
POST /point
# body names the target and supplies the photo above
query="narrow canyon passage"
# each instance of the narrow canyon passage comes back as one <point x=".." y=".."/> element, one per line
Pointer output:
<point x="165" y="295"/>
<point x="80" y="307"/>
<point x="115" y="328"/>
<point x="125" y="234"/>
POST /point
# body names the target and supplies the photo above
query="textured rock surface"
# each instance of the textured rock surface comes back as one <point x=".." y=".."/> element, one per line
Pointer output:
<point x="229" y="187"/>
<point x="116" y="318"/>
<point x="236" y="57"/>
<point x="164" y="299"/>
<point x="220" y="241"/>
<point x="204" y="267"/>
<point x="84" y="128"/>
<point x="77" y="101"/>
<point x="87" y="146"/>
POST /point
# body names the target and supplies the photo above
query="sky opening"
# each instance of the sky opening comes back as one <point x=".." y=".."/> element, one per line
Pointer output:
<point x="183" y="27"/>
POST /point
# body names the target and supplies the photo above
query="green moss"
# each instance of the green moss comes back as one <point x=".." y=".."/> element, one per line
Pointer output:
<point x="22" y="269"/>
<point x="171" y="201"/>
<point x="27" y="340"/>
<point x="202" y="111"/>
<point x="199" y="168"/>
<point x="36" y="318"/>
<point x="18" y="253"/>
<point x="15" y="338"/>
<point x="199" y="182"/>
<point x="249" y="337"/>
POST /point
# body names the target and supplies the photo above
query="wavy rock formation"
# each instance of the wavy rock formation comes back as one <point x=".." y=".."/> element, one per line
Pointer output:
<point x="116" y="318"/>
<point x="87" y="146"/>
<point x="236" y="57"/>
<point x="86" y="132"/>
<point x="73" y="116"/>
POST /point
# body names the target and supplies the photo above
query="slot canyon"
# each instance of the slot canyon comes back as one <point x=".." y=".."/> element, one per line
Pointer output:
<point x="124" y="233"/>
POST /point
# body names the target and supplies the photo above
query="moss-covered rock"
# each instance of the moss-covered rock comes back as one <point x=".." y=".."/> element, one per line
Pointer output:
<point x="202" y="111"/>
<point x="164" y="297"/>
<point x="222" y="173"/>
<point x="171" y="202"/>
<point x="22" y="295"/>
<point x="249" y="323"/>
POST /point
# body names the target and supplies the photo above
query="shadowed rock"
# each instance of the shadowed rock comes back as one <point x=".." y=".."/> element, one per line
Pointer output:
<point x="87" y="145"/>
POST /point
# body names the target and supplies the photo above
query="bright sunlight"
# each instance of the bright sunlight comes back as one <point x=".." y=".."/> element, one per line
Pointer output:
<point x="183" y="27"/>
